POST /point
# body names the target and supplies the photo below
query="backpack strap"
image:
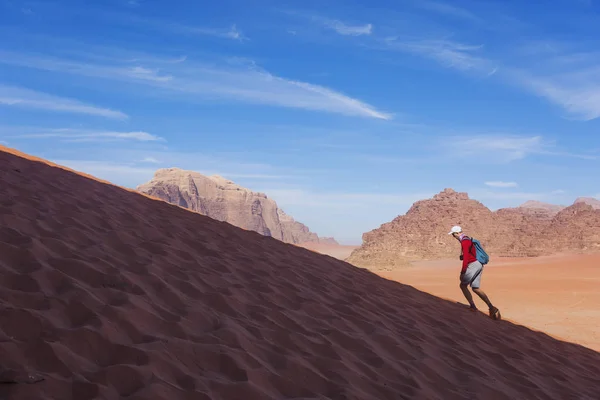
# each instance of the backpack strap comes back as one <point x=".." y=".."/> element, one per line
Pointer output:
<point x="471" y="248"/>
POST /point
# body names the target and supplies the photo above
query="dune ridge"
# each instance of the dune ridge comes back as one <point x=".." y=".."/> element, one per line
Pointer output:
<point x="110" y="294"/>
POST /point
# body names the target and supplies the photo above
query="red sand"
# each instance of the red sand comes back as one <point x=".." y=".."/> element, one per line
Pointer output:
<point x="109" y="294"/>
<point x="557" y="294"/>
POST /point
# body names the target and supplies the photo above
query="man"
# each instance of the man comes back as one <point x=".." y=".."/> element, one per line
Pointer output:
<point x="470" y="273"/>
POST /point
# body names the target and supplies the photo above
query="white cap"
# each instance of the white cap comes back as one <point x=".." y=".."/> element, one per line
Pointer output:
<point x="455" y="229"/>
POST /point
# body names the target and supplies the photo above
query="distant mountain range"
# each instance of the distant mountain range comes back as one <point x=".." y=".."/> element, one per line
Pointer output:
<point x="532" y="229"/>
<point x="553" y="209"/>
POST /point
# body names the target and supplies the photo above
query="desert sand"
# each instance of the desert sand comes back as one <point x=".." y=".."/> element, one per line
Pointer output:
<point x="109" y="294"/>
<point x="339" y="251"/>
<point x="557" y="294"/>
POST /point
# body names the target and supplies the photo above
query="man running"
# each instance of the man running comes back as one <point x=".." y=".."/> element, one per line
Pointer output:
<point x="471" y="271"/>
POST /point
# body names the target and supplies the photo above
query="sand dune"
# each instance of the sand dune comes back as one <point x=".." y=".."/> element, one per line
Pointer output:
<point x="109" y="294"/>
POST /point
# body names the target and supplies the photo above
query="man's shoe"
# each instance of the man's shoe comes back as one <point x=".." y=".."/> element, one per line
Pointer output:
<point x="494" y="313"/>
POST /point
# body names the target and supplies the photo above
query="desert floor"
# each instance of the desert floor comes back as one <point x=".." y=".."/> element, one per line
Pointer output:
<point x="341" y="252"/>
<point x="559" y="295"/>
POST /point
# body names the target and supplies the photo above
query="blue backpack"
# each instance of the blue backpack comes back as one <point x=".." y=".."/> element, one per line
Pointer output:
<point x="480" y="253"/>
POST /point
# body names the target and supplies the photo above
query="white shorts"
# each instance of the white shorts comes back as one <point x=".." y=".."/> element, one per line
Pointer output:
<point x="472" y="275"/>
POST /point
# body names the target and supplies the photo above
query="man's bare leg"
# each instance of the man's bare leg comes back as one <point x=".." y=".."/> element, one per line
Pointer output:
<point x="493" y="310"/>
<point x="484" y="297"/>
<point x="465" y="290"/>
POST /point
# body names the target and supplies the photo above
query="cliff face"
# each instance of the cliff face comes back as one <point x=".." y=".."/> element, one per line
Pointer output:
<point x="533" y="229"/>
<point x="223" y="200"/>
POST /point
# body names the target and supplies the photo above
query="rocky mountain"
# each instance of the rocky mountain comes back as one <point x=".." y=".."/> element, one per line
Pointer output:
<point x="422" y="233"/>
<point x="224" y="200"/>
<point x="595" y="203"/>
<point x="540" y="208"/>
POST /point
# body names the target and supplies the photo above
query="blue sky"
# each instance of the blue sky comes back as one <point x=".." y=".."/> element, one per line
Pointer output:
<point x="345" y="112"/>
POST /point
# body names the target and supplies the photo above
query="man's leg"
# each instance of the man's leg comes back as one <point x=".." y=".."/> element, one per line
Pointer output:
<point x="467" y="293"/>
<point x="465" y="279"/>
<point x="475" y="285"/>
<point x="483" y="297"/>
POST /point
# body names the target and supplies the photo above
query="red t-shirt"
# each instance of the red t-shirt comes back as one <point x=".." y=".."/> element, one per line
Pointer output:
<point x="468" y="253"/>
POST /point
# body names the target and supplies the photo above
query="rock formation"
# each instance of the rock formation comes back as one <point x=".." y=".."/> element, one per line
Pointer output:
<point x="540" y="208"/>
<point x="532" y="229"/>
<point x="223" y="200"/>
<point x="595" y="203"/>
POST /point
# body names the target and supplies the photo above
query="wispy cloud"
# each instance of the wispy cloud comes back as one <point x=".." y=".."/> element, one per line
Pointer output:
<point x="345" y="29"/>
<point x="506" y="147"/>
<point x="577" y="92"/>
<point x="150" y="160"/>
<point x="449" y="54"/>
<point x="80" y="135"/>
<point x="340" y="27"/>
<point x="501" y="184"/>
<point x="25" y="98"/>
<point x="566" y="74"/>
<point x="232" y="32"/>
<point x="239" y="83"/>
<point x="565" y="77"/>
<point x="149" y="74"/>
<point x="447" y="9"/>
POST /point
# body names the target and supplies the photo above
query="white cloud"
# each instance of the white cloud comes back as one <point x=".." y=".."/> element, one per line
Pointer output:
<point x="446" y="9"/>
<point x="568" y="79"/>
<point x="348" y="30"/>
<point x="85" y="135"/>
<point x="149" y="74"/>
<point x="163" y="25"/>
<point x="232" y="33"/>
<point x="449" y="54"/>
<point x="503" y="147"/>
<point x="25" y="98"/>
<point x="338" y="26"/>
<point x="577" y="93"/>
<point x="151" y="160"/>
<point x="501" y="184"/>
<point x="246" y="84"/>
